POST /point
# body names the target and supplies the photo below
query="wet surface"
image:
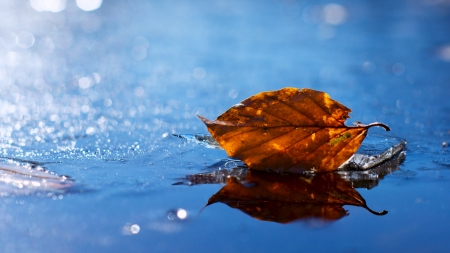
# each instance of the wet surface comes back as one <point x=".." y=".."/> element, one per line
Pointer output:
<point x="95" y="96"/>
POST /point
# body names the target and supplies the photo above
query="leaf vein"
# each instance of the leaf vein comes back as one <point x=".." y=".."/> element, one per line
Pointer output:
<point x="323" y="109"/>
<point x="260" y="144"/>
<point x="288" y="147"/>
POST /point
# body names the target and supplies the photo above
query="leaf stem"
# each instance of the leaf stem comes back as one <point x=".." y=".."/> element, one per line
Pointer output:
<point x="379" y="124"/>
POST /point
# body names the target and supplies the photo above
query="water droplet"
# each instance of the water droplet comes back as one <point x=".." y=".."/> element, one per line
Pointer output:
<point x="171" y="215"/>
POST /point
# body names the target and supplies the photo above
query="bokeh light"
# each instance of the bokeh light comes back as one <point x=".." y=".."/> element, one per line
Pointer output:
<point x="199" y="73"/>
<point x="334" y="14"/>
<point x="49" y="5"/>
<point x="444" y="53"/>
<point x="178" y="214"/>
<point x="131" y="229"/>
<point x="89" y="5"/>
<point x="325" y="17"/>
<point x="25" y="40"/>
<point x="398" y="69"/>
<point x="181" y="214"/>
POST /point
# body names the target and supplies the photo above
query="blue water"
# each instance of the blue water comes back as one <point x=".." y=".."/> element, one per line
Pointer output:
<point x="96" y="95"/>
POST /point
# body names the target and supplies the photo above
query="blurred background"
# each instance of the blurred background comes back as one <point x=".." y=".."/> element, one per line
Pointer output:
<point x="94" y="89"/>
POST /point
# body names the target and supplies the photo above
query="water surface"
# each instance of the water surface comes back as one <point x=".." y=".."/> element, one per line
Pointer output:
<point x="96" y="95"/>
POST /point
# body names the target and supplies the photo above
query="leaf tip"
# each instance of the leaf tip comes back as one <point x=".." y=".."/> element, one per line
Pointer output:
<point x="205" y="120"/>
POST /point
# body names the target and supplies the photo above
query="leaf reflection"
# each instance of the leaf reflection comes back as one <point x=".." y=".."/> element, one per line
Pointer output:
<point x="285" y="198"/>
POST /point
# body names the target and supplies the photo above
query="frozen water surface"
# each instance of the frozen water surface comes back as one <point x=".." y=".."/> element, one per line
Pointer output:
<point x="92" y="92"/>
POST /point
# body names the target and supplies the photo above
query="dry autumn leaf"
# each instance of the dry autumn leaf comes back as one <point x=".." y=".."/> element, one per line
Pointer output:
<point x="289" y="130"/>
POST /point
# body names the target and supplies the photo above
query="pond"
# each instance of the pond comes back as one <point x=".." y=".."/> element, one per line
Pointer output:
<point x="93" y="94"/>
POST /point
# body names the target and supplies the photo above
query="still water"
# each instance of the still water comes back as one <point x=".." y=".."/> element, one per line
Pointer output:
<point x="93" y="92"/>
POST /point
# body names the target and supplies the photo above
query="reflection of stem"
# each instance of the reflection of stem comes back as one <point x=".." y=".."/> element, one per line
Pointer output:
<point x="201" y="210"/>
<point x="375" y="212"/>
<point x="380" y="125"/>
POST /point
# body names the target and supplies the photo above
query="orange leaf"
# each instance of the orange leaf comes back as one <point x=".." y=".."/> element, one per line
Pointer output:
<point x="289" y="130"/>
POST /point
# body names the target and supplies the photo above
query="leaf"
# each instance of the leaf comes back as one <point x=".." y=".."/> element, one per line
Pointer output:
<point x="283" y="198"/>
<point x="25" y="180"/>
<point x="369" y="156"/>
<point x="289" y="130"/>
<point x="364" y="170"/>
